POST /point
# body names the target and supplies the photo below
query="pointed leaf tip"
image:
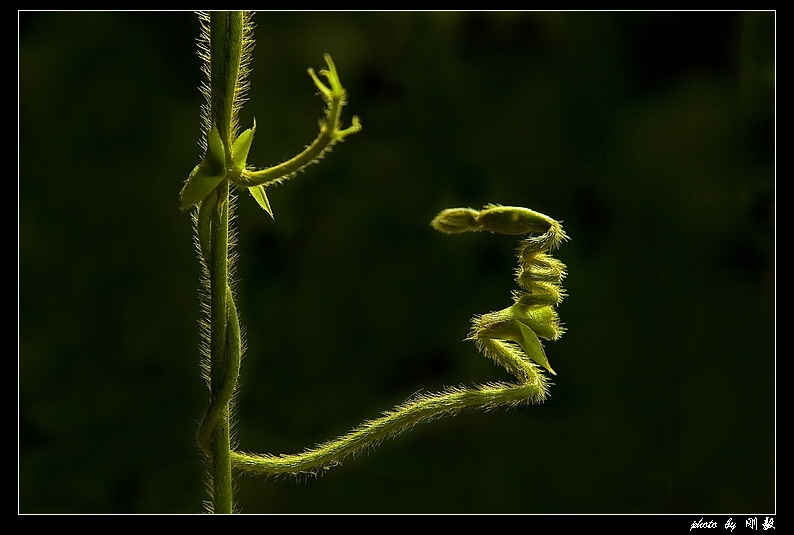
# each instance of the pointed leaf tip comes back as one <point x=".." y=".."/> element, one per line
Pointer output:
<point x="258" y="193"/>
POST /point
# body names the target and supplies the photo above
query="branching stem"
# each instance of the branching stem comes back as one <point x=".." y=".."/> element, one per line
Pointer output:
<point x="510" y="337"/>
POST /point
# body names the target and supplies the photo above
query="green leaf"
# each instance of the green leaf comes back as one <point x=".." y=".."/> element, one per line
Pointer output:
<point x="503" y="325"/>
<point x="543" y="320"/>
<point x="241" y="146"/>
<point x="215" y="159"/>
<point x="258" y="192"/>
<point x="198" y="186"/>
<point x="206" y="176"/>
<point x="529" y="342"/>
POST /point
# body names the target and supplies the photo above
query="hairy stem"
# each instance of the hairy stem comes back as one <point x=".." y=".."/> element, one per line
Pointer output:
<point x="226" y="70"/>
<point x="226" y="48"/>
<point x="392" y="423"/>
<point x="220" y="379"/>
<point x="511" y="337"/>
<point x="330" y="134"/>
<point x="225" y="345"/>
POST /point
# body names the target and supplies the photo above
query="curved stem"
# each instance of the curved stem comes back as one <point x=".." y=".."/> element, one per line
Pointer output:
<point x="330" y="133"/>
<point x="392" y="423"/>
<point x="310" y="154"/>
<point x="508" y="337"/>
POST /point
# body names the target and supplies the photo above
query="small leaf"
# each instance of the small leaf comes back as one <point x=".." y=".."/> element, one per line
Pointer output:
<point x="258" y="192"/>
<point x="215" y="159"/>
<point x="198" y="186"/>
<point x="503" y="326"/>
<point x="206" y="176"/>
<point x="543" y="320"/>
<point x="241" y="146"/>
<point x="531" y="345"/>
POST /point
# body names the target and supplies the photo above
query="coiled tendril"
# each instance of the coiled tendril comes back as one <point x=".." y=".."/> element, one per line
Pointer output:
<point x="512" y="335"/>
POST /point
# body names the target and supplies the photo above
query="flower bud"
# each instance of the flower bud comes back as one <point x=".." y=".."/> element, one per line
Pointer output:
<point x="512" y="220"/>
<point x="455" y="220"/>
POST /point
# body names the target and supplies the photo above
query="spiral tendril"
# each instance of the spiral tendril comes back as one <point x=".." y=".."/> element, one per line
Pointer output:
<point x="513" y="334"/>
<point x="509" y="337"/>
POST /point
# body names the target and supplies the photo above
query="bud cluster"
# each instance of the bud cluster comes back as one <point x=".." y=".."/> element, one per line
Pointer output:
<point x="513" y="334"/>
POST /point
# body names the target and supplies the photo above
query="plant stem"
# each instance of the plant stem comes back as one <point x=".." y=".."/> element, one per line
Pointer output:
<point x="226" y="74"/>
<point x="226" y="49"/>
<point x="402" y="418"/>
<point x="225" y="343"/>
<point x="510" y="337"/>
<point x="222" y="467"/>
<point x="219" y="308"/>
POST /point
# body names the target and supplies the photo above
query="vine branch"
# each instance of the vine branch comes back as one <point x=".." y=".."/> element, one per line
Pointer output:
<point x="510" y="337"/>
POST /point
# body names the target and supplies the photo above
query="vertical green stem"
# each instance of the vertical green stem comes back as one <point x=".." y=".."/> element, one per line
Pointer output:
<point x="222" y="467"/>
<point x="226" y="38"/>
<point x="219" y="309"/>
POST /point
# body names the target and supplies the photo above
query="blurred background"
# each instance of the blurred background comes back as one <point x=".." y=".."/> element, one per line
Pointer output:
<point x="649" y="134"/>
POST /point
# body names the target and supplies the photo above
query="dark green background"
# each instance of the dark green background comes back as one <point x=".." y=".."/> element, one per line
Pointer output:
<point x="649" y="134"/>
